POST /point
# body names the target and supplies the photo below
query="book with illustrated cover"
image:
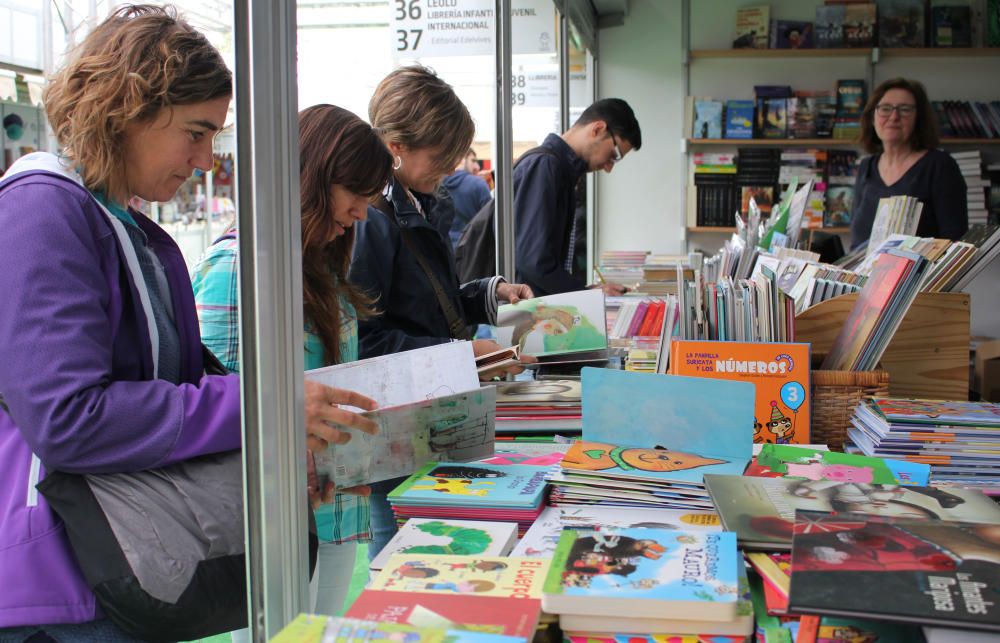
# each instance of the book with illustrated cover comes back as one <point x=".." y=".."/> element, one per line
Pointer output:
<point x="473" y="485"/>
<point x="896" y="569"/>
<point x="453" y="428"/>
<point x="713" y="418"/>
<point x="830" y="26"/>
<point x="707" y="119"/>
<point x="318" y="628"/>
<point x="839" y="205"/>
<point x="428" y="536"/>
<point x="682" y="630"/>
<point x="569" y="322"/>
<point x="851" y="97"/>
<point x="938" y="412"/>
<point x="484" y="614"/>
<point x="951" y="26"/>
<point x="791" y="34"/>
<point x="776" y="460"/>
<point x="779" y="373"/>
<point x="543" y="536"/>
<point x="739" y="118"/>
<point x="646" y="464"/>
<point x="463" y="575"/>
<point x="772" y="117"/>
<point x="901" y="23"/>
<point x="644" y="573"/>
<point x="859" y="25"/>
<point x="762" y="510"/>
<point x="752" y="26"/>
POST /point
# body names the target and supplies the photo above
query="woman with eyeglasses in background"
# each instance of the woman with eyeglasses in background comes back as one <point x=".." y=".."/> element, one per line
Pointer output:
<point x="899" y="130"/>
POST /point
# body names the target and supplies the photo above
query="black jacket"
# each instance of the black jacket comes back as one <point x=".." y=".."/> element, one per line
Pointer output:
<point x="544" y="208"/>
<point x="383" y="267"/>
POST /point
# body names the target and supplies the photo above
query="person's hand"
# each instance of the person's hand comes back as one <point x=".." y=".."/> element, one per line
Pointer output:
<point x="611" y="288"/>
<point x="487" y="346"/>
<point x="513" y="293"/>
<point x="325" y="496"/>
<point x="322" y="411"/>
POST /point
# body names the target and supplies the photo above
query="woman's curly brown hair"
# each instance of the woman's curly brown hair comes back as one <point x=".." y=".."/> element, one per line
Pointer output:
<point x="140" y="60"/>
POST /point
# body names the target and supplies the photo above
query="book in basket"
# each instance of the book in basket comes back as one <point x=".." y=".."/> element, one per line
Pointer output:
<point x="644" y="573"/>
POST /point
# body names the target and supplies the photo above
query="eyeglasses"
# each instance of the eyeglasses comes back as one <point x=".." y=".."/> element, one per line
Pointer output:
<point x="618" y="150"/>
<point x="904" y="111"/>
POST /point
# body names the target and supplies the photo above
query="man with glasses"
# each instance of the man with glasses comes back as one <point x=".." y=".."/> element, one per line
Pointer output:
<point x="545" y="193"/>
<point x="900" y="132"/>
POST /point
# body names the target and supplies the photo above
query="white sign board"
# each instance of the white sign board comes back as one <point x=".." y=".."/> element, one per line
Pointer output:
<point x="420" y="28"/>
<point x="538" y="87"/>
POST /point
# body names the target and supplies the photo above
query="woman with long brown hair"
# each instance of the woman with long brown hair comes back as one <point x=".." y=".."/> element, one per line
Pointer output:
<point x="342" y="164"/>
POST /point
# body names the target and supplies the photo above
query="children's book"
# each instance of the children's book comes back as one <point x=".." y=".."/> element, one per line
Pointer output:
<point x="739" y="118"/>
<point x="777" y="460"/>
<point x="425" y="536"/>
<point x="473" y="485"/>
<point x="859" y="25"/>
<point x="453" y="427"/>
<point x="713" y="418"/>
<point x="487" y="614"/>
<point x="543" y="536"/>
<point x="644" y="573"/>
<point x="498" y="359"/>
<point x="463" y="575"/>
<point x="830" y="26"/>
<point x="569" y="322"/>
<point x="839" y="205"/>
<point x="681" y="630"/>
<point x="779" y="373"/>
<point x="791" y="34"/>
<point x="645" y="464"/>
<point x="431" y="407"/>
<point x="538" y="392"/>
<point x="938" y="412"/>
<point x="762" y="510"/>
<point x="896" y="569"/>
<point x="317" y="628"/>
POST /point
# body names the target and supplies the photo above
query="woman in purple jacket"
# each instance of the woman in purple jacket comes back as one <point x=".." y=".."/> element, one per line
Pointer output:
<point x="100" y="358"/>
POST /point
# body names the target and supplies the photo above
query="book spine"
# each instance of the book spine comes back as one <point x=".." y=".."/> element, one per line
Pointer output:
<point x="640" y="313"/>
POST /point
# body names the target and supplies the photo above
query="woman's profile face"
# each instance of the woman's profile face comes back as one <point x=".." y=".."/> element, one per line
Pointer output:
<point x="896" y="128"/>
<point x="346" y="207"/>
<point x="161" y="153"/>
<point x="422" y="170"/>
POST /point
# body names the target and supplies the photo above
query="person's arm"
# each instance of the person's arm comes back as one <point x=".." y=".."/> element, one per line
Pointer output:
<point x="376" y="244"/>
<point x="216" y="301"/>
<point x="949" y="196"/>
<point x="57" y="338"/>
<point x="540" y="229"/>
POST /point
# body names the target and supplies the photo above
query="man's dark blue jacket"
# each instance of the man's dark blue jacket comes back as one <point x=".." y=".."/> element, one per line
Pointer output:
<point x="544" y="207"/>
<point x="384" y="268"/>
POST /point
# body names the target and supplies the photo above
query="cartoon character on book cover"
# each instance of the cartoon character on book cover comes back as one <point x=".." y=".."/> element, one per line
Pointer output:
<point x="594" y="456"/>
<point x="930" y="409"/>
<point x="509" y="577"/>
<point x="556" y="324"/>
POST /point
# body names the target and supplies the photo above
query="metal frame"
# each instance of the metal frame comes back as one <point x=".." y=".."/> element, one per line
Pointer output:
<point x="271" y="330"/>
<point x="563" y="72"/>
<point x="504" y="218"/>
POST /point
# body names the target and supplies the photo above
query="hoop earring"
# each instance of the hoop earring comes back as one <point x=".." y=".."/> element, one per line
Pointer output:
<point x="398" y="163"/>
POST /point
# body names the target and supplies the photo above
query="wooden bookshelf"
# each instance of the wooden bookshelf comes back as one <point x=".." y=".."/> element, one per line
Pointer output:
<point x="782" y="53"/>
<point x="939" y="52"/>
<point x="815" y="142"/>
<point x="838" y="230"/>
<point x="927" y="357"/>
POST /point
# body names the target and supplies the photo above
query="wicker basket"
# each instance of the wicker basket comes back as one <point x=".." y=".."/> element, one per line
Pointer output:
<point x="835" y="394"/>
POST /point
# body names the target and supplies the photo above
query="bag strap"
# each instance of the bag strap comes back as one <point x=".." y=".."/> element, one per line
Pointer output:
<point x="456" y="325"/>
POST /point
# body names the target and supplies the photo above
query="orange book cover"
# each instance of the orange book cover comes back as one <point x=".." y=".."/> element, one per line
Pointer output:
<point x="780" y="373"/>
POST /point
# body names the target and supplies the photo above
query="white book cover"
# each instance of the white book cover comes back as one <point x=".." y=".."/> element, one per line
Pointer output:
<point x="425" y="536"/>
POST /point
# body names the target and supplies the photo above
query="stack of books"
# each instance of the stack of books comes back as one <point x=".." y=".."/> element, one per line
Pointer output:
<point x="714" y="188"/>
<point x="318" y="628"/>
<point x="959" y="440"/>
<point x="472" y="491"/>
<point x="539" y="406"/>
<point x="648" y="581"/>
<point x="622" y="266"/>
<point x="970" y="163"/>
<point x="423" y="536"/>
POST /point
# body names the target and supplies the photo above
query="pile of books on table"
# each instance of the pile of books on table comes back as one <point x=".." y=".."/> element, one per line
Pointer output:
<point x="959" y="440"/>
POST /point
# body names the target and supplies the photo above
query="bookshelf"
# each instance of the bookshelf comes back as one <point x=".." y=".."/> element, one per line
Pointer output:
<point x="814" y="142"/>
<point x="874" y="54"/>
<point x="728" y="229"/>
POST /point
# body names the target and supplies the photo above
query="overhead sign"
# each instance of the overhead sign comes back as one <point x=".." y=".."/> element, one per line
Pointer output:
<point x="422" y="28"/>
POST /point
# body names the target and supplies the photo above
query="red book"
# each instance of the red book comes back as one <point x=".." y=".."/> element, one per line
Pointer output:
<point x="640" y="314"/>
<point x="652" y="314"/>
<point x="510" y="616"/>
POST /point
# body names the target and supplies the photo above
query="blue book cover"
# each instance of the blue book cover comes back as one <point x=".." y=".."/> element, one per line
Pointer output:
<point x="739" y="118"/>
<point x="645" y="573"/>
<point x="470" y="484"/>
<point x="691" y="414"/>
<point x="707" y="119"/>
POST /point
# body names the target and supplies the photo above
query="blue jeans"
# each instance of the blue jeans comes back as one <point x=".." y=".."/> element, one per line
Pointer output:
<point x="103" y="631"/>
<point x="383" y="522"/>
